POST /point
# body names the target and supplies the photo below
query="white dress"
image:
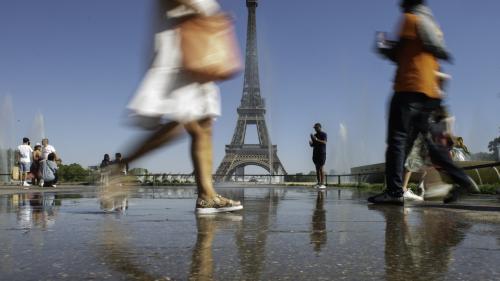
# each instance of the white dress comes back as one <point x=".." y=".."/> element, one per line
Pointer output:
<point x="166" y="93"/>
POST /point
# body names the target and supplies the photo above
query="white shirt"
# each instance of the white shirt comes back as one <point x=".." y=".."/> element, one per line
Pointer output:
<point x="46" y="150"/>
<point x="25" y="152"/>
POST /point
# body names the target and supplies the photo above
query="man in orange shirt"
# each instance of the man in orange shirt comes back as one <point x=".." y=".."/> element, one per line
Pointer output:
<point x="416" y="96"/>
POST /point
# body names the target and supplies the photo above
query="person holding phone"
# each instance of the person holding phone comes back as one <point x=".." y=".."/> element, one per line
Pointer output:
<point x="318" y="143"/>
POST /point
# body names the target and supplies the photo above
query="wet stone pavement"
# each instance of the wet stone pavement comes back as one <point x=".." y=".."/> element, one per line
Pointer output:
<point x="282" y="234"/>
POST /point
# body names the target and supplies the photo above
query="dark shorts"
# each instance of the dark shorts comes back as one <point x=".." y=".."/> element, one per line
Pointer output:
<point x="319" y="159"/>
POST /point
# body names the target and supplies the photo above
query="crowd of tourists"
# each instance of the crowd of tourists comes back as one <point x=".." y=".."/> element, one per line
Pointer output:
<point x="37" y="165"/>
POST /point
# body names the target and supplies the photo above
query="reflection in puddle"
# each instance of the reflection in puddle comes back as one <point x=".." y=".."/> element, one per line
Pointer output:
<point x="202" y="266"/>
<point x="35" y="209"/>
<point x="318" y="231"/>
<point x="282" y="234"/>
<point x="424" y="245"/>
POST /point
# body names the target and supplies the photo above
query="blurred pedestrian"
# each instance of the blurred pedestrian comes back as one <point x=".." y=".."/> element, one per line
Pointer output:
<point x="418" y="159"/>
<point x="170" y="100"/>
<point x="106" y="161"/>
<point x="104" y="169"/>
<point x="318" y="143"/>
<point x="24" y="154"/>
<point x="416" y="96"/>
<point x="121" y="164"/>
<point x="460" y="152"/>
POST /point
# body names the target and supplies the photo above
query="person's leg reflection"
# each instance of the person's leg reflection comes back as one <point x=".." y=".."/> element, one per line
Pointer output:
<point x="318" y="231"/>
<point x="202" y="267"/>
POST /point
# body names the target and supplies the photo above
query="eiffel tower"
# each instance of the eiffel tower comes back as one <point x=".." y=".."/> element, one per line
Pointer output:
<point x="250" y="112"/>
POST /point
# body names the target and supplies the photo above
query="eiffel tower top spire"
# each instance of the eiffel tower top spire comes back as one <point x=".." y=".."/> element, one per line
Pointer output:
<point x="251" y="85"/>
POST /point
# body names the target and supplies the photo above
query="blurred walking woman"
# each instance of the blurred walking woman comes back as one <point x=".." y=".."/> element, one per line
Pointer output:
<point x="169" y="101"/>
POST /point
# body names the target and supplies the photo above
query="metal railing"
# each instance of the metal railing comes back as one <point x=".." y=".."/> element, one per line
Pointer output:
<point x="93" y="177"/>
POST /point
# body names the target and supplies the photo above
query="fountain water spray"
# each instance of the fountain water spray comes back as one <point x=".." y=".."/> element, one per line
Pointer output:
<point x="6" y="138"/>
<point x="38" y="128"/>
<point x="342" y="153"/>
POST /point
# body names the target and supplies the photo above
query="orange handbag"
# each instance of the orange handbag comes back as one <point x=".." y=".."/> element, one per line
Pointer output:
<point x="210" y="51"/>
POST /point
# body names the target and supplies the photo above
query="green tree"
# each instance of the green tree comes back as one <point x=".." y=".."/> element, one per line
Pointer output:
<point x="493" y="145"/>
<point x="72" y="173"/>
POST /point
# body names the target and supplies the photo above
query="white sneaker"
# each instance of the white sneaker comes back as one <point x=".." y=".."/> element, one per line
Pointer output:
<point x="410" y="196"/>
<point x="26" y="184"/>
<point x="322" y="186"/>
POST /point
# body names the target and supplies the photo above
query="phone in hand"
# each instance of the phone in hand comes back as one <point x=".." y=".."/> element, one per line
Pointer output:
<point x="381" y="40"/>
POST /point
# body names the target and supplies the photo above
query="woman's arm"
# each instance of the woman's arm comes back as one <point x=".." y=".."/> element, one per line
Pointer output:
<point x="204" y="7"/>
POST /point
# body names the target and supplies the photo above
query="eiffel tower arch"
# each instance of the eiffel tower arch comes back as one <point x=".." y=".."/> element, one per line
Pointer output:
<point x="251" y="111"/>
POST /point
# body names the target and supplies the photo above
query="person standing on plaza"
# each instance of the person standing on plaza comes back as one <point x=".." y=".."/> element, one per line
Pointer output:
<point x="105" y="170"/>
<point x="24" y="154"/>
<point x="120" y="163"/>
<point x="416" y="96"/>
<point x="170" y="100"/>
<point x="35" y="165"/>
<point x="106" y="161"/>
<point x="318" y="143"/>
<point x="47" y="149"/>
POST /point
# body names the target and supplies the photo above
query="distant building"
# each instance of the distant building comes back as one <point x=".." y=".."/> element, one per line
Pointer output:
<point x="93" y="168"/>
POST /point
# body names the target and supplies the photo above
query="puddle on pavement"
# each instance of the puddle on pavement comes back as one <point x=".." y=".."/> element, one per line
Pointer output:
<point x="282" y="234"/>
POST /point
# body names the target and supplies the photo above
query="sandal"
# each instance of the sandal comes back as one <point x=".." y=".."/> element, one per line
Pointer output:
<point x="218" y="204"/>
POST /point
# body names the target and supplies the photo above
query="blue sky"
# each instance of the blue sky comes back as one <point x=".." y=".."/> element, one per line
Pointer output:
<point x="79" y="62"/>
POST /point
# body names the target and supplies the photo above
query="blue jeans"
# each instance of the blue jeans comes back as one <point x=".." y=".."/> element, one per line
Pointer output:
<point x="409" y="115"/>
<point x="24" y="167"/>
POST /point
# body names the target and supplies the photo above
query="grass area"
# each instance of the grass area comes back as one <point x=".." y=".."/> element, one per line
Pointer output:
<point x="489" y="188"/>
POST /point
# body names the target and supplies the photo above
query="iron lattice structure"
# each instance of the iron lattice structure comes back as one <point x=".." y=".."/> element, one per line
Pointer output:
<point x="250" y="112"/>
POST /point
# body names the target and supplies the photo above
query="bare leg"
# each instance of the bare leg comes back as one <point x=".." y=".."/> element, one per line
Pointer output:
<point x="162" y="136"/>
<point x="406" y="180"/>
<point x="24" y="177"/>
<point x="201" y="154"/>
<point x="322" y="175"/>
